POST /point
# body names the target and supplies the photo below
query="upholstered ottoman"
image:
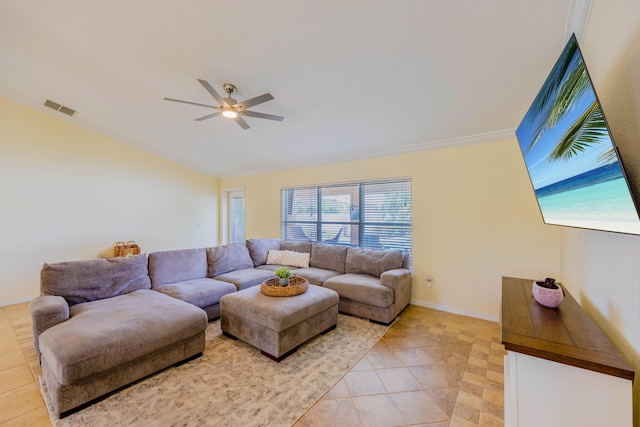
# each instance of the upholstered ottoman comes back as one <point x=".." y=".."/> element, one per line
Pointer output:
<point x="278" y="325"/>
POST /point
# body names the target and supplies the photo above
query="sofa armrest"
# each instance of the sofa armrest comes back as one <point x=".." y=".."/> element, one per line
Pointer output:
<point x="399" y="280"/>
<point x="47" y="311"/>
<point x="395" y="278"/>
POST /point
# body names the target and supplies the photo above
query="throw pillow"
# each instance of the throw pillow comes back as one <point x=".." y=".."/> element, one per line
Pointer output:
<point x="289" y="258"/>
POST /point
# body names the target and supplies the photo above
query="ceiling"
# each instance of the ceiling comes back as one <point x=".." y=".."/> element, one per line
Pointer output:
<point x="353" y="78"/>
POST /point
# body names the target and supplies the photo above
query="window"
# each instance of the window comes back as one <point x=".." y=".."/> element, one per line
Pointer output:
<point x="374" y="214"/>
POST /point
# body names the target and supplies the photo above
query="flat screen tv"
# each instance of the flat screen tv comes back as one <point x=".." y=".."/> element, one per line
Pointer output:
<point x="573" y="163"/>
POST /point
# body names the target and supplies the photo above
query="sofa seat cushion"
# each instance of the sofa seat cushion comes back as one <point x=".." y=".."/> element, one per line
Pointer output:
<point x="246" y="278"/>
<point x="272" y="267"/>
<point x="176" y="266"/>
<point x="199" y="292"/>
<point x="314" y="275"/>
<point x="361" y="288"/>
<point x="107" y="333"/>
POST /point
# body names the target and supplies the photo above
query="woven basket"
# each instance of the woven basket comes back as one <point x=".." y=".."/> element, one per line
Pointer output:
<point x="124" y="249"/>
<point x="297" y="285"/>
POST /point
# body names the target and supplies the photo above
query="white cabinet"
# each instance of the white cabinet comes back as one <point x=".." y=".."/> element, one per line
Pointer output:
<point x="560" y="370"/>
<point x="540" y="392"/>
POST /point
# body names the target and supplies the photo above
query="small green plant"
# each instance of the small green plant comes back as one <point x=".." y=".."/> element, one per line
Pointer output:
<point x="283" y="273"/>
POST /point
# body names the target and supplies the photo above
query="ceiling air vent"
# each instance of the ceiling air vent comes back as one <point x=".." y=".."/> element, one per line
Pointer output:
<point x="66" y="110"/>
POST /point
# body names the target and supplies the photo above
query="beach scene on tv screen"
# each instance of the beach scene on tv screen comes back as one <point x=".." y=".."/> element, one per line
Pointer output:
<point x="572" y="161"/>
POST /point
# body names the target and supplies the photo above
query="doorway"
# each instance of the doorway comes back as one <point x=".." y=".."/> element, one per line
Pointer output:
<point x="232" y="215"/>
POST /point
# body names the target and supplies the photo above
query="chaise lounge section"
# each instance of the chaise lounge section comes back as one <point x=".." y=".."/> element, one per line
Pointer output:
<point x="98" y="326"/>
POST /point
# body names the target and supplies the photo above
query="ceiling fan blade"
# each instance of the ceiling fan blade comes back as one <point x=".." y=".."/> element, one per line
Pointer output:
<point x="261" y="115"/>
<point x="213" y="92"/>
<point x="239" y="120"/>
<point x="254" y="101"/>
<point x="208" y="116"/>
<point x="189" y="102"/>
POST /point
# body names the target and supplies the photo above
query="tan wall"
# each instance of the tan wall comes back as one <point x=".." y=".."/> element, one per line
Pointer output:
<point x="603" y="269"/>
<point x="475" y="218"/>
<point x="69" y="193"/>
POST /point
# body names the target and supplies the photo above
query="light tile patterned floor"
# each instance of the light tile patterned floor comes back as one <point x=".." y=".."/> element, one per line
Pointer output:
<point x="20" y="401"/>
<point x="430" y="369"/>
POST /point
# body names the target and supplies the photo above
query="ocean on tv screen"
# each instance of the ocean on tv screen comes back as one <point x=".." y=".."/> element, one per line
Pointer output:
<point x="602" y="206"/>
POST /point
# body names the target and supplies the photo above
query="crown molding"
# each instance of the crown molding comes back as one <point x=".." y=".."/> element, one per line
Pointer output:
<point x="385" y="152"/>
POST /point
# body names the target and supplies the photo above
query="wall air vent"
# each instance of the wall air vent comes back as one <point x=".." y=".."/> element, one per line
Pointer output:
<point x="61" y="108"/>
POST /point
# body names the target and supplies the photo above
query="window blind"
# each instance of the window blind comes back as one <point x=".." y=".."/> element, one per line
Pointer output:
<point x="371" y="214"/>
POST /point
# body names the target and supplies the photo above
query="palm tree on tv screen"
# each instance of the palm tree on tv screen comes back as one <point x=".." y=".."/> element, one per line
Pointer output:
<point x="565" y="87"/>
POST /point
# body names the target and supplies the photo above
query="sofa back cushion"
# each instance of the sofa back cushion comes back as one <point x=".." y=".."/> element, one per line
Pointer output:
<point x="296" y="246"/>
<point x="90" y="280"/>
<point x="231" y="257"/>
<point x="329" y="257"/>
<point x="369" y="261"/>
<point x="177" y="266"/>
<point x="259" y="249"/>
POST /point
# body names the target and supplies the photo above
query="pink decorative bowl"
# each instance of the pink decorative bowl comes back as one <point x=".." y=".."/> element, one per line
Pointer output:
<point x="551" y="298"/>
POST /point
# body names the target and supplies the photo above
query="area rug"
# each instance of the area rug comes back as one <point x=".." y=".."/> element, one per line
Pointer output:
<point x="232" y="384"/>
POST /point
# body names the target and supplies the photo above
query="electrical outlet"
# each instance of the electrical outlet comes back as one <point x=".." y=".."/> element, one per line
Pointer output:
<point x="429" y="281"/>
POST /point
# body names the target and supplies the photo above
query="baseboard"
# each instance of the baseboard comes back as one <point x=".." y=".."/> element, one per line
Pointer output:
<point x="15" y="301"/>
<point x="453" y="310"/>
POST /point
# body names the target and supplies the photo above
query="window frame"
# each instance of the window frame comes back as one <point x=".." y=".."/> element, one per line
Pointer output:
<point x="312" y="228"/>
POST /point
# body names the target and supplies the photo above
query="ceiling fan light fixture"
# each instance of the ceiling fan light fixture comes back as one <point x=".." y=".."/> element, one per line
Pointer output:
<point x="229" y="107"/>
<point x="230" y="114"/>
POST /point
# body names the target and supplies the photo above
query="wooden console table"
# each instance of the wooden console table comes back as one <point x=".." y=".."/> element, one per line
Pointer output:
<point x="560" y="369"/>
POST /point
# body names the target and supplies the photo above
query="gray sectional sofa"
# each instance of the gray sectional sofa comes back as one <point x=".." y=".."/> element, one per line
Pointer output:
<point x="102" y="324"/>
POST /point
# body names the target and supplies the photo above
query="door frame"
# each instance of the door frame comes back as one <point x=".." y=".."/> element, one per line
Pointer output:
<point x="225" y="207"/>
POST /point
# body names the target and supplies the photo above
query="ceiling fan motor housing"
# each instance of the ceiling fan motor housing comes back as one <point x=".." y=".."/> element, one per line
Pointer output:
<point x="229" y="88"/>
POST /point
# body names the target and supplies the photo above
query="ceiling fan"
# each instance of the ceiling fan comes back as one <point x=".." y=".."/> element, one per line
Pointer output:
<point x="229" y="107"/>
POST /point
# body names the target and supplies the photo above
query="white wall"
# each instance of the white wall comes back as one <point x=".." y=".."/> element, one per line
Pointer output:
<point x="475" y="219"/>
<point x="69" y="193"/>
<point x="603" y="269"/>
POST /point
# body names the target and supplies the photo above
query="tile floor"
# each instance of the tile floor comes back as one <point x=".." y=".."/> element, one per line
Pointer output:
<point x="20" y="401"/>
<point x="430" y="369"/>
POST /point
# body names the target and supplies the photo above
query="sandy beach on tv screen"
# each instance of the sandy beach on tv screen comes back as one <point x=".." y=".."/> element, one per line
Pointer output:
<point x="616" y="226"/>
